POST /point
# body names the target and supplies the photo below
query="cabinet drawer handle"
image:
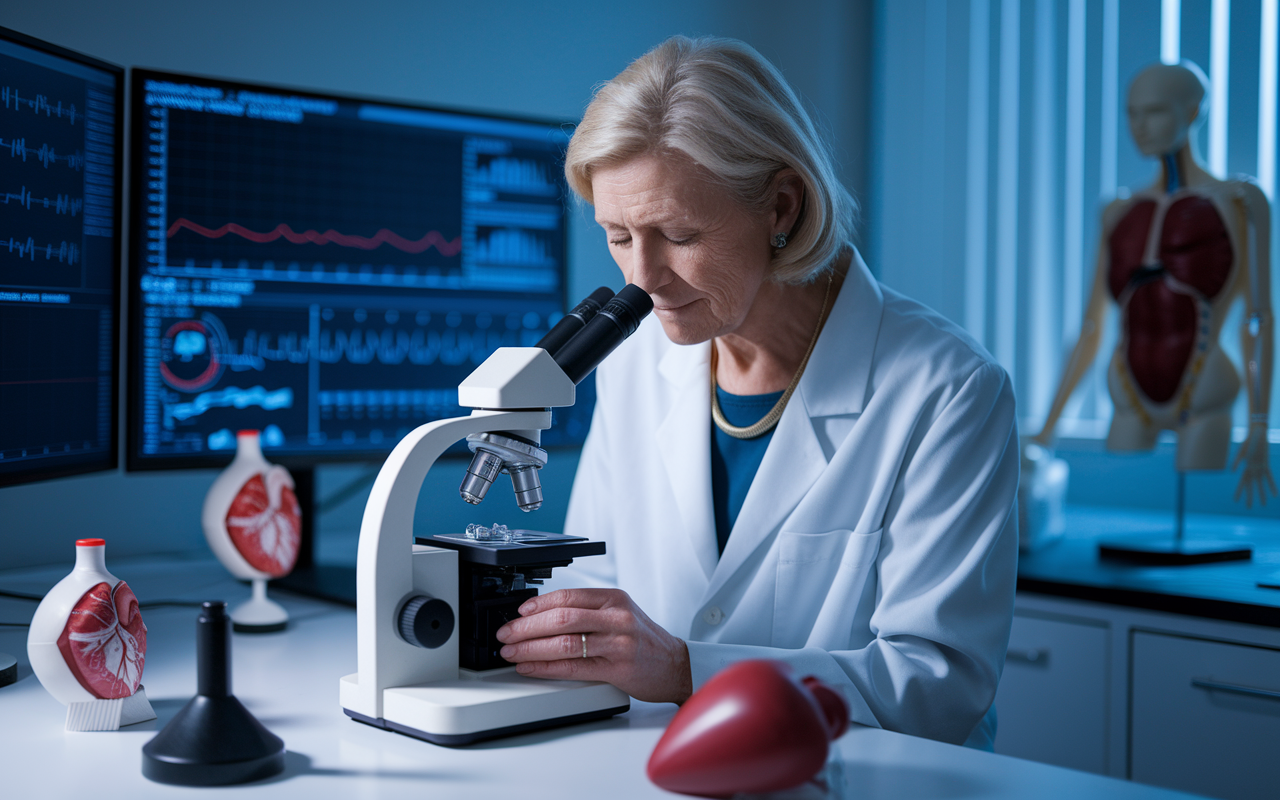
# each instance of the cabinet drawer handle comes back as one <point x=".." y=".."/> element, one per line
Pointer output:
<point x="1249" y="691"/>
<point x="1032" y="655"/>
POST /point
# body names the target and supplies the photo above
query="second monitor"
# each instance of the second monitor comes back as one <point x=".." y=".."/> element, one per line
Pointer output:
<point x="327" y="269"/>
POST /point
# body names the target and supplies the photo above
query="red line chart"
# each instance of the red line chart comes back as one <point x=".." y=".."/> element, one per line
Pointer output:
<point x="447" y="247"/>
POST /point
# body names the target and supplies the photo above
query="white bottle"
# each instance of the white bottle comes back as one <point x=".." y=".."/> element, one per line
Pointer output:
<point x="88" y="645"/>
<point x="253" y="523"/>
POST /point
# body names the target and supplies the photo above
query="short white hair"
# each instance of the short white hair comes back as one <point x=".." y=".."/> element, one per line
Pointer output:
<point x="724" y="106"/>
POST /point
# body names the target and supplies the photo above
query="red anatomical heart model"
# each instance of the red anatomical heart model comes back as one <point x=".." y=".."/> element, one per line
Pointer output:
<point x="754" y="727"/>
<point x="266" y="533"/>
<point x="104" y="641"/>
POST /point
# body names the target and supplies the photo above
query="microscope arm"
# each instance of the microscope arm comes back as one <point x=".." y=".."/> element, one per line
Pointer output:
<point x="384" y="573"/>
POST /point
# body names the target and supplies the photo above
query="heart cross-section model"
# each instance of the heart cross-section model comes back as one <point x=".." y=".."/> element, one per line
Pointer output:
<point x="105" y="641"/>
<point x="264" y="522"/>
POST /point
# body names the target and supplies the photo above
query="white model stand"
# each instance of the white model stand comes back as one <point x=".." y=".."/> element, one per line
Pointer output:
<point x="259" y="614"/>
<point x="109" y="715"/>
<point x="423" y="692"/>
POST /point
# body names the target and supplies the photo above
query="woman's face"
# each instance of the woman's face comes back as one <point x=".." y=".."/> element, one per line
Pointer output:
<point x="685" y="241"/>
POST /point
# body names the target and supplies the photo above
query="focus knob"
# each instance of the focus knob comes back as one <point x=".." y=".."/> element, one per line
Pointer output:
<point x="426" y="622"/>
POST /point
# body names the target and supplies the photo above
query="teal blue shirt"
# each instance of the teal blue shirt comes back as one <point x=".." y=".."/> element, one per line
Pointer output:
<point x="734" y="462"/>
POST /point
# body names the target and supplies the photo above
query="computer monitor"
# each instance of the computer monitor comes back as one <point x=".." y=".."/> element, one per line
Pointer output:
<point x="326" y="269"/>
<point x="61" y="150"/>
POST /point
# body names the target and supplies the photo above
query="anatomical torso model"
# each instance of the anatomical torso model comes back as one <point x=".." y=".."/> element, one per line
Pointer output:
<point x="1173" y="259"/>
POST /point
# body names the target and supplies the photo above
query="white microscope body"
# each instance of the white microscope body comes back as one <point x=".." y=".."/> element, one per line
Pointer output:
<point x="420" y="689"/>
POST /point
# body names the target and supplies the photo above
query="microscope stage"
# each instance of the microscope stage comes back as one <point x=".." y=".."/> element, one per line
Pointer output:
<point x="558" y="549"/>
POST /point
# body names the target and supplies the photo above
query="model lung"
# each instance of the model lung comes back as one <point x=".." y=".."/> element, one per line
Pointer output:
<point x="1170" y="258"/>
<point x="754" y="727"/>
<point x="251" y="516"/>
<point x="87" y="639"/>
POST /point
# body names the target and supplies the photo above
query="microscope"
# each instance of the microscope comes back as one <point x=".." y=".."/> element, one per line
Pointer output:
<point x="427" y="609"/>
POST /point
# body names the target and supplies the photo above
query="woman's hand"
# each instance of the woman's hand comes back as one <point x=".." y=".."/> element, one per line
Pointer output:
<point x="623" y="646"/>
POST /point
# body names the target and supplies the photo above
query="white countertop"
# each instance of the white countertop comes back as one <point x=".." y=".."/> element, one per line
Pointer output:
<point x="289" y="681"/>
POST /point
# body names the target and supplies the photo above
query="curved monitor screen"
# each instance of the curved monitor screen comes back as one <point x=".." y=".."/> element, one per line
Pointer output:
<point x="327" y="269"/>
<point x="60" y="157"/>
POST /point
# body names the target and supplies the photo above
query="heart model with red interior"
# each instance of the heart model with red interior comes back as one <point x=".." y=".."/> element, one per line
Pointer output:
<point x="264" y="523"/>
<point x="753" y="727"/>
<point x="105" y="642"/>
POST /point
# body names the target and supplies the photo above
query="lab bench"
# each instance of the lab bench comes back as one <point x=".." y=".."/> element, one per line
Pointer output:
<point x="1164" y="675"/>
<point x="289" y="680"/>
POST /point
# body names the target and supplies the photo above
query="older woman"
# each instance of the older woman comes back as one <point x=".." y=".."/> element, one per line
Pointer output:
<point x="789" y="460"/>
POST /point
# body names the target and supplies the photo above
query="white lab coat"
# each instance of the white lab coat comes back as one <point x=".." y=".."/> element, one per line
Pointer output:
<point x="877" y="545"/>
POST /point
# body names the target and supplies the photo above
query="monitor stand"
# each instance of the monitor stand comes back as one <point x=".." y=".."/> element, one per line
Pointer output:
<point x="333" y="582"/>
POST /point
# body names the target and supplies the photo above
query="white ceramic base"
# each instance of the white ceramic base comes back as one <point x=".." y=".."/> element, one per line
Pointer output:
<point x="258" y="614"/>
<point x="8" y="669"/>
<point x="109" y="715"/>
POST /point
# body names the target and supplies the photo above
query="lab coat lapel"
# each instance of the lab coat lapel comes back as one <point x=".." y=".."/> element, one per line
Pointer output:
<point x="791" y="464"/>
<point x="684" y="442"/>
<point x="834" y="383"/>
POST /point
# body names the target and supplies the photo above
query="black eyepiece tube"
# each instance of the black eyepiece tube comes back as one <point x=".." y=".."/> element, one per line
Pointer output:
<point x="571" y="323"/>
<point x="616" y="321"/>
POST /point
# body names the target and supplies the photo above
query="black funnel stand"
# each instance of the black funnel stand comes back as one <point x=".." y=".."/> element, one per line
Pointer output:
<point x="213" y="740"/>
<point x="1179" y="551"/>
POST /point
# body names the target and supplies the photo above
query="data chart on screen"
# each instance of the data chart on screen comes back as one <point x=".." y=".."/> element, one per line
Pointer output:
<point x="325" y="269"/>
<point x="60" y="154"/>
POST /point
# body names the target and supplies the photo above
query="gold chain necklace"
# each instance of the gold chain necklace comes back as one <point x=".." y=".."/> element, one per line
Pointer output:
<point x="769" y="420"/>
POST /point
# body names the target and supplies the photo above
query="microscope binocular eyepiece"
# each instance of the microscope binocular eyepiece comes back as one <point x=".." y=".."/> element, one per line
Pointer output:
<point x="575" y="320"/>
<point x="601" y="334"/>
<point x="496" y="453"/>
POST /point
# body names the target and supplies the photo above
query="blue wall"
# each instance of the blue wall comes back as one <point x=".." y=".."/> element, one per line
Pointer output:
<point x="538" y="59"/>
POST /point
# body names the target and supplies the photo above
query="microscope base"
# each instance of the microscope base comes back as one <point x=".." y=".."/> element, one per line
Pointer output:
<point x="471" y="738"/>
<point x="493" y="704"/>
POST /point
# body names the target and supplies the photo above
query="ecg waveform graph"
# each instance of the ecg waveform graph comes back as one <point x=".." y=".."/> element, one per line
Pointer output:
<point x="40" y="104"/>
<point x="64" y="253"/>
<point x="46" y="155"/>
<point x="61" y="204"/>
<point x="434" y="239"/>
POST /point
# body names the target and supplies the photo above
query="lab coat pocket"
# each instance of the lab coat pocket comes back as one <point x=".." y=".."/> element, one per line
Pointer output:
<point x="820" y="580"/>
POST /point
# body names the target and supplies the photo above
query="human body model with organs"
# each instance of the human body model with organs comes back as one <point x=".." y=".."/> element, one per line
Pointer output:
<point x="1173" y="258"/>
<point x="88" y="645"/>
<point x="253" y="524"/>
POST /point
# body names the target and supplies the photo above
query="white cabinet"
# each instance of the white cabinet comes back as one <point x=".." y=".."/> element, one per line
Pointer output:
<point x="1052" y="705"/>
<point x="1205" y="716"/>
<point x="1181" y="701"/>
